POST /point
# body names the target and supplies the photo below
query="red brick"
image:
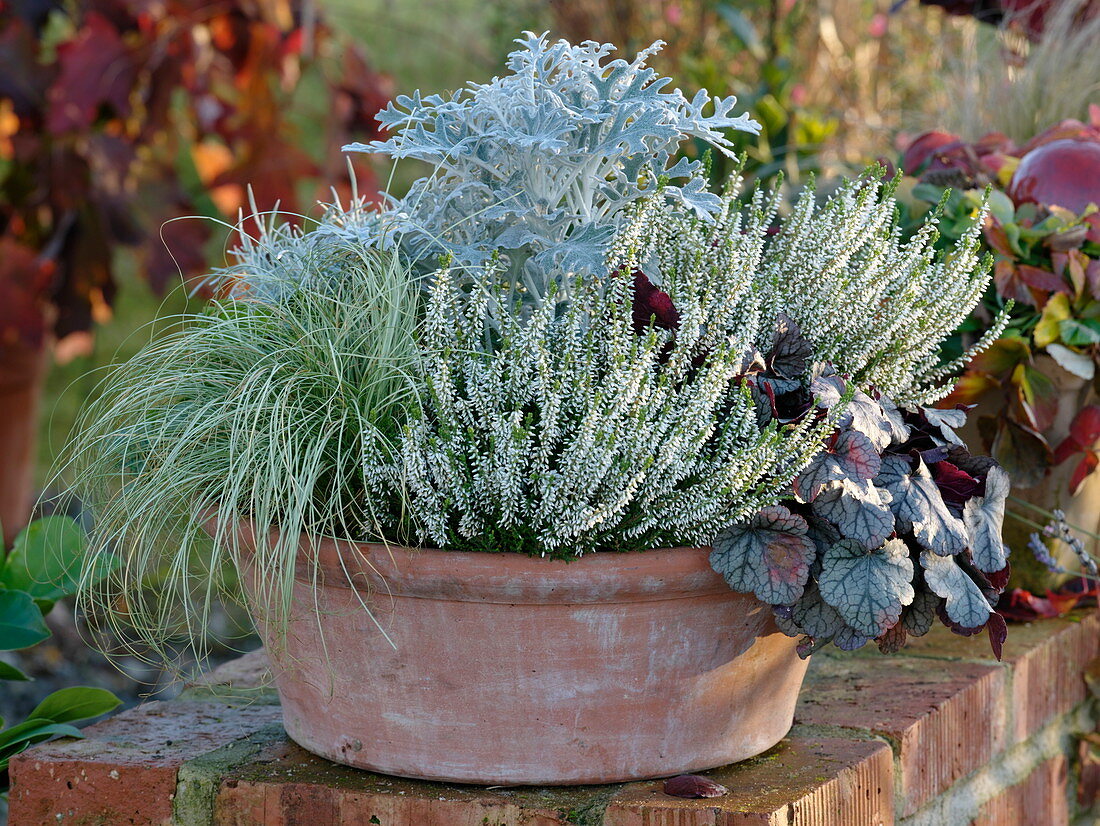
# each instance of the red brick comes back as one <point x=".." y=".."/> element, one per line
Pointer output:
<point x="251" y="670"/>
<point x="1040" y="800"/>
<point x="1047" y="659"/>
<point x="805" y="781"/>
<point x="124" y="771"/>
<point x="286" y="786"/>
<point x="944" y="719"/>
<point x="1047" y="680"/>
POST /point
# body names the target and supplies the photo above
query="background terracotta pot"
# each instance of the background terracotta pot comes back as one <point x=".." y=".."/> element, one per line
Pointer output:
<point x="22" y="373"/>
<point x="506" y="669"/>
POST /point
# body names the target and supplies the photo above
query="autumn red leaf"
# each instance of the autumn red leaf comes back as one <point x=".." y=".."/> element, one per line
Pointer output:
<point x="96" y="136"/>
<point x="1020" y="605"/>
<point x="997" y="630"/>
<point x="652" y="306"/>
<point x="1086" y="466"/>
<point x="96" y="69"/>
<point x="1084" y="433"/>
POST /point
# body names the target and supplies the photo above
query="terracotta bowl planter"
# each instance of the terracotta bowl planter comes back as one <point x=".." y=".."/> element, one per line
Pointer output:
<point x="505" y="669"/>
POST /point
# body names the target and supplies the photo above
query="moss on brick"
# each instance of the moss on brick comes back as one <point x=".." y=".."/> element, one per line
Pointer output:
<point x="198" y="780"/>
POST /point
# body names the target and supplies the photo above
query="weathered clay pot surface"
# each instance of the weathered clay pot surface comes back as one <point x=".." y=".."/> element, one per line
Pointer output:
<point x="506" y="669"/>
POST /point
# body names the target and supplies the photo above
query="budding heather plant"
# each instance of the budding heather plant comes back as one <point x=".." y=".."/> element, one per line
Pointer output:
<point x="577" y="433"/>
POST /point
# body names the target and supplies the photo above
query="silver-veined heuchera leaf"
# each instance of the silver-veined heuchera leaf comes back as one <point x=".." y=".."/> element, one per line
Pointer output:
<point x="984" y="516"/>
<point x="916" y="499"/>
<point x="852" y="456"/>
<point x="816" y="617"/>
<point x="895" y="420"/>
<point x="861" y="412"/>
<point x="965" y="603"/>
<point x="946" y="421"/>
<point x="860" y="510"/>
<point x="868" y="588"/>
<point x="849" y="639"/>
<point x="769" y="555"/>
<point x="919" y="616"/>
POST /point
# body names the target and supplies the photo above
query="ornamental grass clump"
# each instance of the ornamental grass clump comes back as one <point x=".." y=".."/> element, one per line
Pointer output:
<point x="561" y="342"/>
<point x="283" y="414"/>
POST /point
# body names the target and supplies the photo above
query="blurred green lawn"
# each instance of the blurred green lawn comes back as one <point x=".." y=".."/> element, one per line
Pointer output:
<point x="433" y="45"/>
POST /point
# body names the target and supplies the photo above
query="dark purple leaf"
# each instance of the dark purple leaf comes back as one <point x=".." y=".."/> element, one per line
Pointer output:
<point x="652" y="306"/>
<point x="791" y="351"/>
<point x="998" y="633"/>
<point x="694" y="786"/>
<point x="956" y="486"/>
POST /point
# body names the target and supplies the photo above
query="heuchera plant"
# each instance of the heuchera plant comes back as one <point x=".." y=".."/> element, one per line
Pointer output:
<point x="891" y="525"/>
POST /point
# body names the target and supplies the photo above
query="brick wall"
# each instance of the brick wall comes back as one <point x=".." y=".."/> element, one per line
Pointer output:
<point x="939" y="735"/>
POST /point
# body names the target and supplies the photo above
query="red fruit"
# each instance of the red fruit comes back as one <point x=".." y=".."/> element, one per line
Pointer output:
<point x="1068" y="128"/>
<point x="1063" y="173"/>
<point x="923" y="148"/>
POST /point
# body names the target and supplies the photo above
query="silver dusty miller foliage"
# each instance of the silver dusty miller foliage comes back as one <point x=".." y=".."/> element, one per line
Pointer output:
<point x="540" y="164"/>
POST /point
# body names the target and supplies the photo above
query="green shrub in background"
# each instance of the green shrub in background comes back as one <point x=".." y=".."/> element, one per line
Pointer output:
<point x="42" y="566"/>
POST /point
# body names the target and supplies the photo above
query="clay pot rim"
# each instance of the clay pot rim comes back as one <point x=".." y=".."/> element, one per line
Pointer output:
<point x="503" y="577"/>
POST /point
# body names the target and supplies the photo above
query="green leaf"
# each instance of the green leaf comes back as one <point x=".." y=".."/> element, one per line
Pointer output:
<point x="45" y="560"/>
<point x="743" y="29"/>
<point x="21" y="623"/>
<point x="22" y="736"/>
<point x="928" y="192"/>
<point x="76" y="703"/>
<point x="1001" y="206"/>
<point x="10" y="672"/>
<point x="868" y="589"/>
<point x="1080" y="333"/>
<point x="769" y="555"/>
